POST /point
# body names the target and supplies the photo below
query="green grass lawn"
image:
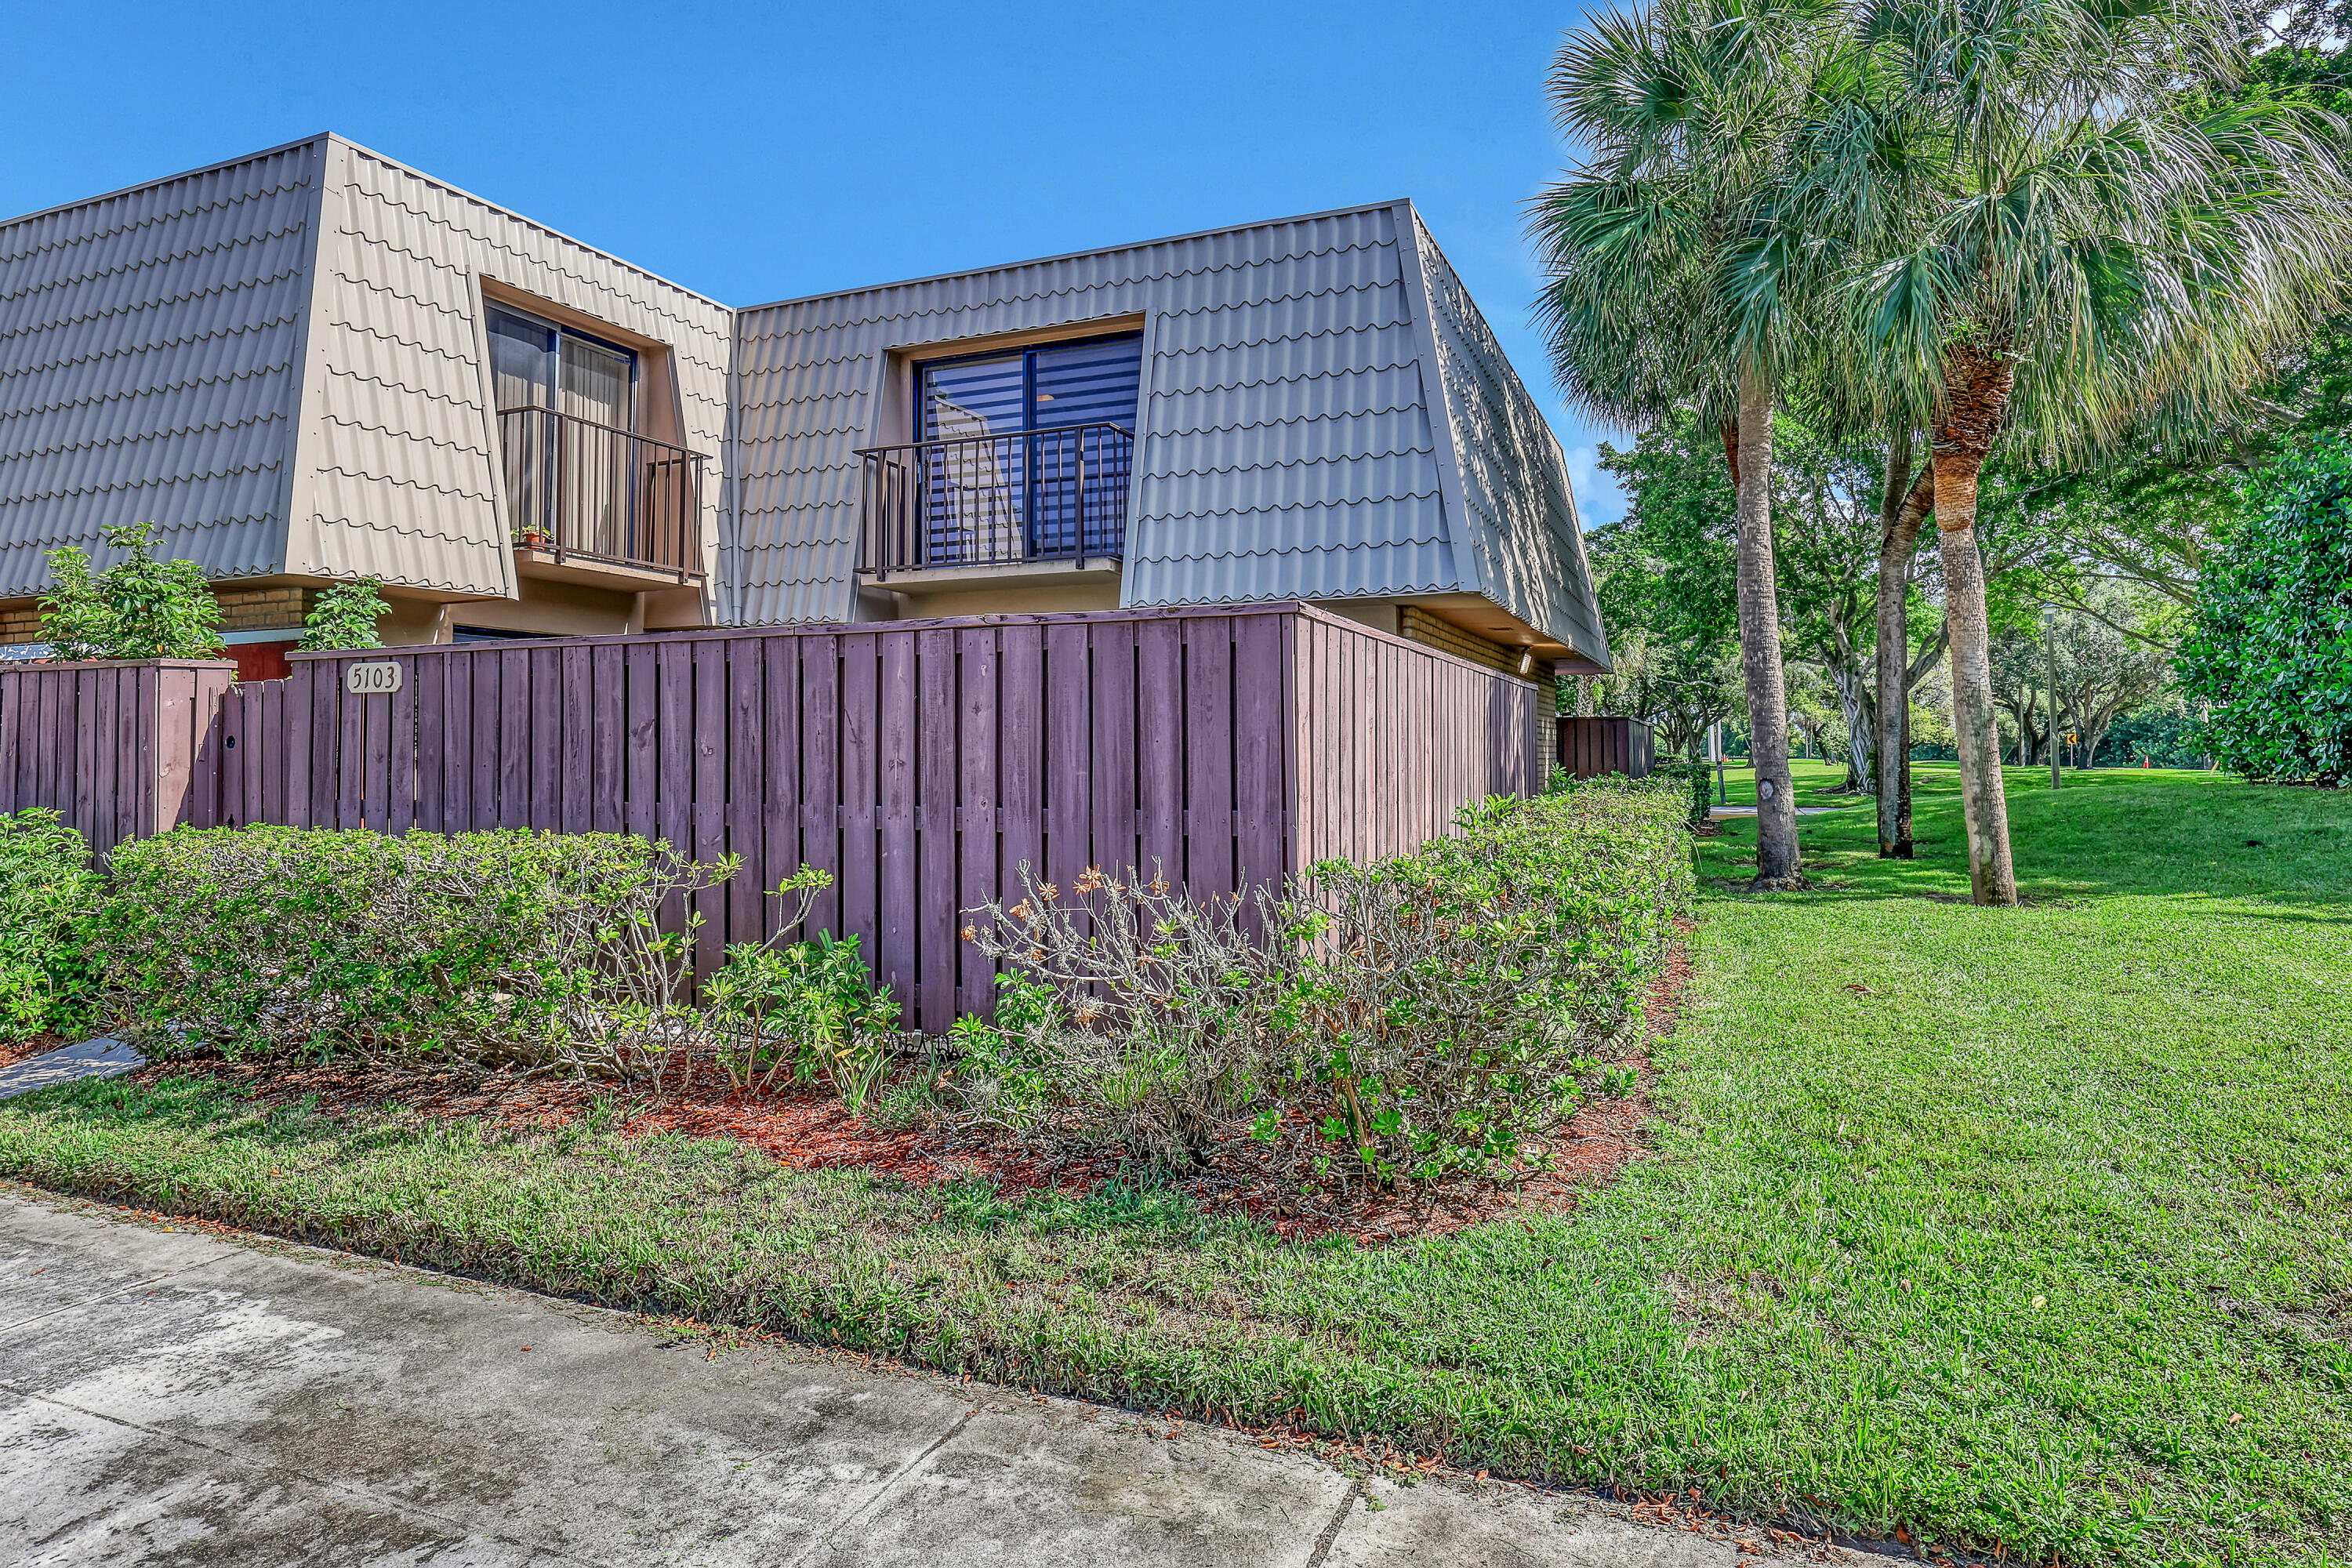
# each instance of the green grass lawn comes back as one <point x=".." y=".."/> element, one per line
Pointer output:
<point x="2022" y="1227"/>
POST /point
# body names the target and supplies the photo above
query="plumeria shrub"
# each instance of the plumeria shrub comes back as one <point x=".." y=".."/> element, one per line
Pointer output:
<point x="48" y="896"/>
<point x="1133" y="1015"/>
<point x="800" y="1012"/>
<point x="527" y="951"/>
<point x="1422" y="1019"/>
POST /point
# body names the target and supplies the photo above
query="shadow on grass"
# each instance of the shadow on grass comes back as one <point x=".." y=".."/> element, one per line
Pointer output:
<point x="2127" y="831"/>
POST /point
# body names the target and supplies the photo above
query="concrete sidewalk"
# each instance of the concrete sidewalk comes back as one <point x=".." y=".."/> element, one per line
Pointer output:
<point x="169" y="1397"/>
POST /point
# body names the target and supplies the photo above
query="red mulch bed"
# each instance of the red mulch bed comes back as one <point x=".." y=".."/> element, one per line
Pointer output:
<point x="11" y="1055"/>
<point x="806" y="1128"/>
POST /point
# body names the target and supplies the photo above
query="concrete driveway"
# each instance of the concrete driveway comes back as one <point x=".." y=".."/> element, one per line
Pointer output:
<point x="173" y="1398"/>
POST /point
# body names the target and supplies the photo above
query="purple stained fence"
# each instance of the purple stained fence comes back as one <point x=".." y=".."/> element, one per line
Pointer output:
<point x="921" y="763"/>
<point x="112" y="747"/>
<point x="1589" y="747"/>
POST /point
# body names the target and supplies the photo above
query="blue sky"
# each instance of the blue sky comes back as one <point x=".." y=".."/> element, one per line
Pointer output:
<point x="754" y="153"/>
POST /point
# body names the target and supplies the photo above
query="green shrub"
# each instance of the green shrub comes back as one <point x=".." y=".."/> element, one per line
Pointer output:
<point x="1449" y="999"/>
<point x="139" y="607"/>
<point x="1423" y="1019"/>
<point x="345" y="616"/>
<point x="49" y="895"/>
<point x="804" y="1011"/>
<point x="2272" y="649"/>
<point x="539" y="951"/>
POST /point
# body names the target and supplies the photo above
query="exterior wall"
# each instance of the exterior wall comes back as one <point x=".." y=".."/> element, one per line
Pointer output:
<point x="399" y="479"/>
<point x="1514" y="494"/>
<point x="552" y="609"/>
<point x="1285" y="444"/>
<point x="264" y="609"/>
<point x="150" y="346"/>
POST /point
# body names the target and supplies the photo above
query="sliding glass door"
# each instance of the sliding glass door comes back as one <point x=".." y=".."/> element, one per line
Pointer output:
<point x="1026" y="453"/>
<point x="567" y="404"/>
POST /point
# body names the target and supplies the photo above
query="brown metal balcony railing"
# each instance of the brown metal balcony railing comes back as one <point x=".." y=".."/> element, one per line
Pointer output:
<point x="997" y="500"/>
<point x="594" y="492"/>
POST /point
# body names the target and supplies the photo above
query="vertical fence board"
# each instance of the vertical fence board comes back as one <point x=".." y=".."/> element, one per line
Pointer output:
<point x="747" y="807"/>
<point x="861" y="791"/>
<point x="822" y="790"/>
<point x="935" y="827"/>
<point x="1260" y="752"/>
<point x="1020" y="741"/>
<point x="779" y="741"/>
<point x="708" y="743"/>
<point x="978" y="721"/>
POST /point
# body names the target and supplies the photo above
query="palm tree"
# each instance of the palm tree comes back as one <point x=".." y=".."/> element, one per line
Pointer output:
<point x="2098" y="229"/>
<point x="1675" y="280"/>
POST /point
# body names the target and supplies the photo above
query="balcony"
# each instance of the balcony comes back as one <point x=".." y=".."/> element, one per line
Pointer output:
<point x="596" y="504"/>
<point x="1017" y="504"/>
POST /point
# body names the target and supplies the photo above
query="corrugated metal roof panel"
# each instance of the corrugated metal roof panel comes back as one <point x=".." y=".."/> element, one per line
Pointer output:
<point x="1521" y="521"/>
<point x="146" y="366"/>
<point x="397" y="435"/>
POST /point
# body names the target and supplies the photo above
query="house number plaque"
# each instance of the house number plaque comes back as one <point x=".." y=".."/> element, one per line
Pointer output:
<point x="372" y="680"/>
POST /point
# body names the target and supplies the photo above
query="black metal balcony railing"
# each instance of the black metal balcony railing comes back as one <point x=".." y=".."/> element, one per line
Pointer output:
<point x="997" y="500"/>
<point x="592" y="492"/>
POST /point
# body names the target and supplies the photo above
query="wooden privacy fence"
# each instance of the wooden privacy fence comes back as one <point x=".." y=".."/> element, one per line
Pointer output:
<point x="920" y="763"/>
<point x="112" y="747"/>
<point x="1589" y="747"/>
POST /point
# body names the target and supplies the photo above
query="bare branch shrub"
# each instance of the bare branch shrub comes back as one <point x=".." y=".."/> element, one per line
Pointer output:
<point x="1147" y="1020"/>
<point x="1419" y="1020"/>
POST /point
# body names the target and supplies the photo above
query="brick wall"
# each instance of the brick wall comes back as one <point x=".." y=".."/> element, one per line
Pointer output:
<point x="21" y="624"/>
<point x="264" y="609"/>
<point x="1417" y="625"/>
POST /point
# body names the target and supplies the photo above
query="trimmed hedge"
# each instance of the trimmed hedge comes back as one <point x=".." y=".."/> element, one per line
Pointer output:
<point x="508" y="949"/>
<point x="48" y="896"/>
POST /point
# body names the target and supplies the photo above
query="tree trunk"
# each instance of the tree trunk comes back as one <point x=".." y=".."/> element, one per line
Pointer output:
<point x="1759" y="642"/>
<point x="1905" y="502"/>
<point x="1977" y="385"/>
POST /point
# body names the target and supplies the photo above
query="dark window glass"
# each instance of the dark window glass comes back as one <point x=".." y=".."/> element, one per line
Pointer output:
<point x="1007" y="475"/>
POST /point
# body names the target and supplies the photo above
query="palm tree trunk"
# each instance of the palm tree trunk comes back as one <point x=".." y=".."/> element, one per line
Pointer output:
<point x="1976" y="394"/>
<point x="1904" y="505"/>
<point x="1759" y="642"/>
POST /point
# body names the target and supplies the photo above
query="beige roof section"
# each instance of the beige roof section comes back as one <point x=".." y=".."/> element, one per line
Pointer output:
<point x="280" y="360"/>
<point x="395" y="476"/>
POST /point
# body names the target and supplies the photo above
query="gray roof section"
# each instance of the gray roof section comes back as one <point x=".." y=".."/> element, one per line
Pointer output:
<point x="1296" y="438"/>
<point x="150" y="341"/>
<point x="1514" y="487"/>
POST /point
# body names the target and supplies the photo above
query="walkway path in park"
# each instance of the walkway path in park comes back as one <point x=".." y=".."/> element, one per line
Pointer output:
<point x="198" y="1399"/>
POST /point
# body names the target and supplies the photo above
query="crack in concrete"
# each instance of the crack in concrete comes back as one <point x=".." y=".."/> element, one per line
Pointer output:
<point x="883" y="1492"/>
<point x="107" y="1296"/>
<point x="1323" y="1543"/>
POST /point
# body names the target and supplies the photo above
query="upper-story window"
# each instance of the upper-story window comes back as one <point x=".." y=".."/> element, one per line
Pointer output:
<point x="1021" y="454"/>
<point x="538" y="364"/>
<point x="581" y="483"/>
<point x="1051" y="388"/>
